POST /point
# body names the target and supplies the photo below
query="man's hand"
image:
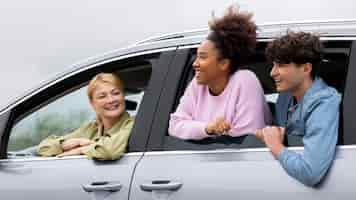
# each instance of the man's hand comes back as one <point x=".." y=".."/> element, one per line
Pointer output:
<point x="273" y="137"/>
<point x="218" y="127"/>
<point x="259" y="135"/>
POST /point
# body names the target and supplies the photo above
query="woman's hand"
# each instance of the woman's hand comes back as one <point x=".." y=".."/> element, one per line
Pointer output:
<point x="84" y="142"/>
<point x="74" y="143"/>
<point x="70" y="144"/>
<point x="218" y="127"/>
<point x="72" y="152"/>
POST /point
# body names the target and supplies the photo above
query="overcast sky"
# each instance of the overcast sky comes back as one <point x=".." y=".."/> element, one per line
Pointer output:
<point x="39" y="38"/>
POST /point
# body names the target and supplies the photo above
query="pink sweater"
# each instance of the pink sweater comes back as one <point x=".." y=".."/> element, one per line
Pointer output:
<point x="242" y="104"/>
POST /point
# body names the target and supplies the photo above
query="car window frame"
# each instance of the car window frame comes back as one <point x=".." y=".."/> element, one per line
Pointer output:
<point x="74" y="80"/>
<point x="156" y="141"/>
<point x="349" y="101"/>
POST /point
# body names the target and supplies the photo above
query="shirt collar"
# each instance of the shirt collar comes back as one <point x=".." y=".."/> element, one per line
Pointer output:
<point x="116" y="126"/>
<point x="317" y="85"/>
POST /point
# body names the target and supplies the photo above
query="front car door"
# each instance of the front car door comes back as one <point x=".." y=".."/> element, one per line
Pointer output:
<point x="243" y="168"/>
<point x="63" y="106"/>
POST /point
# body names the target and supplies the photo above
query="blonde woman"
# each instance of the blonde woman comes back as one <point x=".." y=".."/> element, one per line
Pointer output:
<point x="105" y="138"/>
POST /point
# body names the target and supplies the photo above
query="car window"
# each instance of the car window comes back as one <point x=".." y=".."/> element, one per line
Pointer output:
<point x="333" y="71"/>
<point x="58" y="118"/>
<point x="67" y="111"/>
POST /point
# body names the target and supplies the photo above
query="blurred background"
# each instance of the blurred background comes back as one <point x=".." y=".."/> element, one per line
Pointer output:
<point x="40" y="38"/>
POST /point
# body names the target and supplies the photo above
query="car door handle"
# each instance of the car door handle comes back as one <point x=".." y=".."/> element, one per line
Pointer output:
<point x="102" y="186"/>
<point x="160" y="185"/>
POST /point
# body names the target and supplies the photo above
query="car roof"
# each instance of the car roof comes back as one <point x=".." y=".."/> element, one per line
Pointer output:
<point x="325" y="28"/>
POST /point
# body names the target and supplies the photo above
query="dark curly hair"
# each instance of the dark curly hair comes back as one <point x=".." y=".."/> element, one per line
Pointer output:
<point x="298" y="48"/>
<point x="234" y="36"/>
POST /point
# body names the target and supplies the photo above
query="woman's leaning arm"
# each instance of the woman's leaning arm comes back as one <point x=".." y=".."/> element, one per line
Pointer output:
<point x="52" y="145"/>
<point x="111" y="147"/>
<point x="251" y="111"/>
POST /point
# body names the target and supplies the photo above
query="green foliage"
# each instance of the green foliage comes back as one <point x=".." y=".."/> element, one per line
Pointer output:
<point x="47" y="124"/>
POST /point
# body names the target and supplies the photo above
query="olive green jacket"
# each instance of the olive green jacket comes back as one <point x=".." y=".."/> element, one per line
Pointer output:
<point x="109" y="145"/>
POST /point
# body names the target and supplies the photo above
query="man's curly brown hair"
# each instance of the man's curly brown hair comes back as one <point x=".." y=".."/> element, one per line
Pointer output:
<point x="298" y="48"/>
<point x="234" y="35"/>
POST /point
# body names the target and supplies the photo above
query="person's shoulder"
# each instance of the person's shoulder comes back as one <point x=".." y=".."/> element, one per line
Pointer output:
<point x="195" y="90"/>
<point x="330" y="96"/>
<point x="128" y="120"/>
<point x="245" y="78"/>
<point x="325" y="93"/>
<point x="194" y="85"/>
<point x="244" y="72"/>
<point x="244" y="75"/>
<point x="89" y="125"/>
<point x="324" y="96"/>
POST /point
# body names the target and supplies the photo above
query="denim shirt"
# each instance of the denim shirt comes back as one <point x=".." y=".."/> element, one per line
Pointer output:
<point x="316" y="119"/>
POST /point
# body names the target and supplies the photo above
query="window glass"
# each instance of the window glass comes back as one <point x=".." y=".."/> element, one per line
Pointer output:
<point x="333" y="71"/>
<point x="70" y="110"/>
<point x="58" y="118"/>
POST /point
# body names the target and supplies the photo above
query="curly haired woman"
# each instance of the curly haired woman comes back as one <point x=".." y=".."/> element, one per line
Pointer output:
<point x="223" y="98"/>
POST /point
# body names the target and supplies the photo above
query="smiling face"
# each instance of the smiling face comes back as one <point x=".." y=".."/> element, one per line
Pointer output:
<point x="209" y="68"/>
<point x="108" y="101"/>
<point x="292" y="77"/>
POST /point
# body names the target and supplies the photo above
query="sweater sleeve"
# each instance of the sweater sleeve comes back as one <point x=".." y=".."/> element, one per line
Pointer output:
<point x="251" y="110"/>
<point x="319" y="144"/>
<point x="182" y="124"/>
<point x="52" y="145"/>
<point x="111" y="147"/>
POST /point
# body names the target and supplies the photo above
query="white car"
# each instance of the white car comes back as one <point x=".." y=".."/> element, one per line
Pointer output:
<point x="156" y="165"/>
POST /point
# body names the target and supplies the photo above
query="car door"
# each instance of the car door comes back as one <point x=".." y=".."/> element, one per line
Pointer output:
<point x="243" y="168"/>
<point x="61" y="106"/>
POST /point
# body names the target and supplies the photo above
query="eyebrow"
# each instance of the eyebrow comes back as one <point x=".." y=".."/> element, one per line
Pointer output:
<point x="115" y="89"/>
<point x="99" y="95"/>
<point x="202" y="53"/>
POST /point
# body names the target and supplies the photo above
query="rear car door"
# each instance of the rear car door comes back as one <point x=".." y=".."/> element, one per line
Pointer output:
<point x="62" y="106"/>
<point x="243" y="168"/>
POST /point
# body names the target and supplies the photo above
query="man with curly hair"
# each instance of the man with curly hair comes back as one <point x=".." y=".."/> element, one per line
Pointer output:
<point x="307" y="107"/>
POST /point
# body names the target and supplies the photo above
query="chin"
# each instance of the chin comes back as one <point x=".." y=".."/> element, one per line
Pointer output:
<point x="280" y="89"/>
<point x="201" y="82"/>
<point x="113" y="114"/>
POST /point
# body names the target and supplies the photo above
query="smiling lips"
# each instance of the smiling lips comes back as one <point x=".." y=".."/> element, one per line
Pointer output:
<point x="277" y="82"/>
<point x="112" y="107"/>
<point x="198" y="73"/>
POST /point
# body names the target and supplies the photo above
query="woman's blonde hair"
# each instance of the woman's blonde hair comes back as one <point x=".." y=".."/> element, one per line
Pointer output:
<point x="104" y="78"/>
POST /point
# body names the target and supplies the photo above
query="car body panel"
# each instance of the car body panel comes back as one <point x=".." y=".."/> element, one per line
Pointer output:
<point x="32" y="177"/>
<point x="63" y="178"/>
<point x="229" y="172"/>
<point x="232" y="173"/>
<point x="238" y="174"/>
